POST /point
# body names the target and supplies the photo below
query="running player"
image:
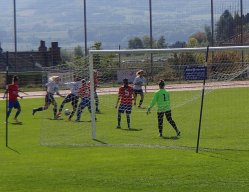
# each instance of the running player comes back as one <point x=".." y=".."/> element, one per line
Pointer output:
<point x="52" y="88"/>
<point x="71" y="97"/>
<point x="12" y="91"/>
<point x="162" y="99"/>
<point x="125" y="97"/>
<point x="138" y="82"/>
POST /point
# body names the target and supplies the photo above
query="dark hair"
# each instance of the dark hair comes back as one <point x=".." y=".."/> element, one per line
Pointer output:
<point x="161" y="83"/>
<point x="125" y="81"/>
<point x="15" y="78"/>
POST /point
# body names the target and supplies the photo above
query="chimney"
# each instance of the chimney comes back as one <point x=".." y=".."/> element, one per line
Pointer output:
<point x="42" y="47"/>
<point x="55" y="53"/>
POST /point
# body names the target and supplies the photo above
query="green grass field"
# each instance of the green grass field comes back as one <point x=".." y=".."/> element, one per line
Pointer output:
<point x="135" y="160"/>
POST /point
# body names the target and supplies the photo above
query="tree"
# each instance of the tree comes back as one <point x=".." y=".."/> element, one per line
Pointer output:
<point x="146" y="42"/>
<point x="78" y="51"/>
<point x="178" y="44"/>
<point x="97" y="45"/>
<point x="161" y="43"/>
<point x="97" y="58"/>
<point x="66" y="55"/>
<point x="246" y="18"/>
<point x="135" y="43"/>
<point x="200" y="37"/>
<point x="192" y="42"/>
<point x="225" y="26"/>
<point x="208" y="34"/>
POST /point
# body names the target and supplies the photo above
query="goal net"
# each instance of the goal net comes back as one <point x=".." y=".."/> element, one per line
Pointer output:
<point x="224" y="122"/>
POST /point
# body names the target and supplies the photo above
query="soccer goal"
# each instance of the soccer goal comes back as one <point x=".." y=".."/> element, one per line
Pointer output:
<point x="224" y="123"/>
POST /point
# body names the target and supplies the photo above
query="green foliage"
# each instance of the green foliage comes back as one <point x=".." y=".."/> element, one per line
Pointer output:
<point x="78" y="51"/>
<point x="187" y="58"/>
<point x="225" y="26"/>
<point x="145" y="42"/>
<point x="192" y="42"/>
<point x="179" y="44"/>
<point x="226" y="57"/>
<point x="97" y="45"/>
<point x="66" y="55"/>
<point x="135" y="43"/>
<point x="161" y="43"/>
<point x="208" y="34"/>
<point x="201" y="38"/>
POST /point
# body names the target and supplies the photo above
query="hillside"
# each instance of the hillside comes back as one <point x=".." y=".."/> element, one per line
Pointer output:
<point x="111" y="22"/>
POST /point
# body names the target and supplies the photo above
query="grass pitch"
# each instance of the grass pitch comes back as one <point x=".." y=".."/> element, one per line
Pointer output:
<point x="149" y="164"/>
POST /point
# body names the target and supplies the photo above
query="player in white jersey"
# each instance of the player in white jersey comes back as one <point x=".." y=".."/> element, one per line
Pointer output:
<point x="52" y="88"/>
<point x="72" y="96"/>
<point x="138" y="83"/>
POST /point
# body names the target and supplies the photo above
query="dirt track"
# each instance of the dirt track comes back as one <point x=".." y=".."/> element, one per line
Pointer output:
<point x="171" y="87"/>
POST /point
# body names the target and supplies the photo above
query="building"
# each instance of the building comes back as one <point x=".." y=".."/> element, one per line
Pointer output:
<point x="30" y="60"/>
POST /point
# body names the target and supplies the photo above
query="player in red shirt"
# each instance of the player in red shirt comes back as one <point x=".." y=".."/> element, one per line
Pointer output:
<point x="12" y="91"/>
<point x="125" y="96"/>
<point x="84" y="94"/>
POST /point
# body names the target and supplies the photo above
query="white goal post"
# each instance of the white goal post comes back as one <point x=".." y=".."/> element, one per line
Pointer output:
<point x="202" y="50"/>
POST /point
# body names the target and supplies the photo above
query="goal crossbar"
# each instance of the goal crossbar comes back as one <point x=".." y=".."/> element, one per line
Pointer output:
<point x="170" y="50"/>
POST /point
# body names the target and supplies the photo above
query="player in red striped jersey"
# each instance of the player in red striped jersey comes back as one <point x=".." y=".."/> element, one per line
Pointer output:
<point x="84" y="93"/>
<point x="125" y="97"/>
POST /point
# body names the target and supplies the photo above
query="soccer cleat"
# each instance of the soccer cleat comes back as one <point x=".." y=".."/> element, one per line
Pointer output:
<point x="77" y="120"/>
<point x="16" y="120"/>
<point x="97" y="111"/>
<point x="160" y="135"/>
<point x="118" y="127"/>
<point x="33" y="112"/>
<point x="178" y="133"/>
<point x="58" y="114"/>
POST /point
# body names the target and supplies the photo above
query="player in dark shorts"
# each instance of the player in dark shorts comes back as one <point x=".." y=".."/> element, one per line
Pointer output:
<point x="125" y="97"/>
<point x="162" y="99"/>
<point x="13" y="102"/>
<point x="138" y="83"/>
<point x="52" y="88"/>
<point x="71" y="97"/>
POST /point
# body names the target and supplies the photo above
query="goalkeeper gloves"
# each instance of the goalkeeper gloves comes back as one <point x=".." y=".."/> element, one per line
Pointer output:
<point x="148" y="111"/>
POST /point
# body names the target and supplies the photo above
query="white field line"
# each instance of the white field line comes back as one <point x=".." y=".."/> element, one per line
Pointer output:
<point x="172" y="87"/>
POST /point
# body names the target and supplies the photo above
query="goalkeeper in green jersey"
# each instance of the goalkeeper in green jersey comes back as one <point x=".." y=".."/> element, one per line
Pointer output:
<point x="162" y="99"/>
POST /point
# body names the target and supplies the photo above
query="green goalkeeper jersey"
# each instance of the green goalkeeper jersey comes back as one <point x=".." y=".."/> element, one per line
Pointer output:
<point x="162" y="99"/>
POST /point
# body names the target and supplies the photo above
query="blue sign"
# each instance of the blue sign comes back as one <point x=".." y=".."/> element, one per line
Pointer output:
<point x="195" y="73"/>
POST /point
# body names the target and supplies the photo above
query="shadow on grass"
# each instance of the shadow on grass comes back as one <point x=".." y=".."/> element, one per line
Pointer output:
<point x="82" y="121"/>
<point x="65" y="119"/>
<point x="13" y="150"/>
<point x="15" y="123"/>
<point x="99" y="141"/>
<point x="131" y="129"/>
<point x="172" y="137"/>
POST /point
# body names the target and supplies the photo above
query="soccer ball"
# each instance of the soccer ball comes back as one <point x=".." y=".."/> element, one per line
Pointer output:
<point x="67" y="112"/>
